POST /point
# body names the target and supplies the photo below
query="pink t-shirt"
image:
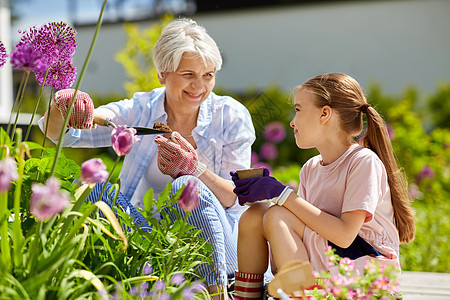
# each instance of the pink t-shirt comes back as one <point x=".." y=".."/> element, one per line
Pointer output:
<point x="355" y="181"/>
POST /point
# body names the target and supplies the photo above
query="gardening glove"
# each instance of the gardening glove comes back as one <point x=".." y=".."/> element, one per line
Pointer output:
<point x="260" y="189"/>
<point x="177" y="157"/>
<point x="82" y="116"/>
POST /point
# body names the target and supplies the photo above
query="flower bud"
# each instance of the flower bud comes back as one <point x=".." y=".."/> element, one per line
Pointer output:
<point x="93" y="171"/>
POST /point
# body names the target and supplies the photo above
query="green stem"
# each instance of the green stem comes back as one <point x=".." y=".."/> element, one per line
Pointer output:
<point x="33" y="254"/>
<point x="4" y="243"/>
<point x="35" y="108"/>
<point x="15" y="103"/>
<point x="69" y="111"/>
<point x="17" y="229"/>
<point x="175" y="246"/>
<point x="20" y="105"/>
<point x="48" y="117"/>
<point x="107" y="180"/>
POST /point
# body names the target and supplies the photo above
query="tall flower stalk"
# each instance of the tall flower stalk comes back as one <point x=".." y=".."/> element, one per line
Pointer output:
<point x="83" y="70"/>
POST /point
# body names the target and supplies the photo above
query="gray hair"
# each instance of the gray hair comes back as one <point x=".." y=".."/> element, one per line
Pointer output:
<point x="180" y="36"/>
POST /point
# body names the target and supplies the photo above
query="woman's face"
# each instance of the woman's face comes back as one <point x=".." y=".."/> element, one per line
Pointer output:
<point x="191" y="83"/>
<point x="306" y="122"/>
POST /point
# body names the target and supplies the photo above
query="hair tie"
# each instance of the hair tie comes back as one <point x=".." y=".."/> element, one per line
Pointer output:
<point x="364" y="108"/>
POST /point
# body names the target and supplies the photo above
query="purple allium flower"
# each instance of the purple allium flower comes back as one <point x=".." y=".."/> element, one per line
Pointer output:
<point x="164" y="296"/>
<point x="390" y="131"/>
<point x="189" y="200"/>
<point x="148" y="269"/>
<point x="426" y="173"/>
<point x="8" y="173"/>
<point x="254" y="157"/>
<point x="93" y="171"/>
<point x="198" y="286"/>
<point x="57" y="40"/>
<point x="27" y="59"/>
<point x="268" y="151"/>
<point x="159" y="285"/>
<point x="123" y="139"/>
<point x="177" y="279"/>
<point x="188" y="294"/>
<point x="261" y="164"/>
<point x="133" y="290"/>
<point x="3" y="55"/>
<point x="143" y="286"/>
<point x="47" y="200"/>
<point x="275" y="132"/>
<point x="61" y="75"/>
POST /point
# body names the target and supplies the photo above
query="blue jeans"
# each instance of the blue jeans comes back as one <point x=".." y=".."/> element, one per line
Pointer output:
<point x="217" y="227"/>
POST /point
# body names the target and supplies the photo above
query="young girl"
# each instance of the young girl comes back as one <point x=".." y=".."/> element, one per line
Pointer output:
<point x="352" y="196"/>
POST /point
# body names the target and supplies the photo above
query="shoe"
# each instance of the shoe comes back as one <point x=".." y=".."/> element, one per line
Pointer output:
<point x="293" y="278"/>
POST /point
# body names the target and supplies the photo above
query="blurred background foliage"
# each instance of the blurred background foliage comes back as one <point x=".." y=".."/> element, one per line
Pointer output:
<point x="419" y="126"/>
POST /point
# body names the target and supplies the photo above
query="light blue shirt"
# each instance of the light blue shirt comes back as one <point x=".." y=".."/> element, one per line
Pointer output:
<point x="224" y="134"/>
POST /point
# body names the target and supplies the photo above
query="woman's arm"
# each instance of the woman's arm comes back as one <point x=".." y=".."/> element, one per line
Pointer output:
<point x="222" y="189"/>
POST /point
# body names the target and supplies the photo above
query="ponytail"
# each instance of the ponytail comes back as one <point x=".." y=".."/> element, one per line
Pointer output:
<point x="377" y="139"/>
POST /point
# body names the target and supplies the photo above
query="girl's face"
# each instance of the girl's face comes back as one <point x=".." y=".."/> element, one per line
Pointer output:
<point x="306" y="122"/>
<point x="191" y="83"/>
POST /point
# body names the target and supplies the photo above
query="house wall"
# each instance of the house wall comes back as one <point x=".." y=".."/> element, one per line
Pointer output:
<point x="393" y="43"/>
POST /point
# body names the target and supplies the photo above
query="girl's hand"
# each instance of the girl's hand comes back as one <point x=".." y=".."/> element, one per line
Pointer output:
<point x="177" y="157"/>
<point x="257" y="189"/>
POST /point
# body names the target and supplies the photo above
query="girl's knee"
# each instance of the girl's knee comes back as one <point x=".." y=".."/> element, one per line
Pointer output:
<point x="252" y="218"/>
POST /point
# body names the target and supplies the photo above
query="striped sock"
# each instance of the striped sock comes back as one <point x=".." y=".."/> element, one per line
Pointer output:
<point x="248" y="286"/>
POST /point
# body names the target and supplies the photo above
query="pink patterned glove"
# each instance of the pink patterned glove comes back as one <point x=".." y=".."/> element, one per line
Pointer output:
<point x="82" y="116"/>
<point x="178" y="157"/>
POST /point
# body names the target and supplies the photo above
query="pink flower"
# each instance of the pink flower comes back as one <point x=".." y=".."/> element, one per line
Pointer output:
<point x="390" y="131"/>
<point x="123" y="139"/>
<point x="268" y="151"/>
<point x="275" y="132"/>
<point x="254" y="158"/>
<point x="414" y="192"/>
<point x="426" y="173"/>
<point x="93" y="171"/>
<point x="189" y="200"/>
<point x="261" y="164"/>
<point x="47" y="200"/>
<point x="346" y="264"/>
<point x="8" y="173"/>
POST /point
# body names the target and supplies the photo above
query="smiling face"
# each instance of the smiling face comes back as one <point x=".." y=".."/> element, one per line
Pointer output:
<point x="191" y="83"/>
<point x="307" y="120"/>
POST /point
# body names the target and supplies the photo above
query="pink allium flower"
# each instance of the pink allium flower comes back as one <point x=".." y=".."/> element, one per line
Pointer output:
<point x="426" y="173"/>
<point x="47" y="200"/>
<point x="254" y="158"/>
<point x="8" y="173"/>
<point x="268" y="151"/>
<point x="3" y="55"/>
<point x="414" y="192"/>
<point x="390" y="131"/>
<point x="93" y="171"/>
<point x="275" y="132"/>
<point x="261" y="164"/>
<point x="123" y="139"/>
<point x="189" y="200"/>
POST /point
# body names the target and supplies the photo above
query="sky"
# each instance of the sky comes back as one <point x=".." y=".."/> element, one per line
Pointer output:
<point x="40" y="12"/>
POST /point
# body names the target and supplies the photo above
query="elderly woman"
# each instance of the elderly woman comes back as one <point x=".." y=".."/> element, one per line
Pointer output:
<point x="219" y="128"/>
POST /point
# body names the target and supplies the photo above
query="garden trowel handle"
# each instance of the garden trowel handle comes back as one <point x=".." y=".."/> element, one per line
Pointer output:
<point x="103" y="121"/>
